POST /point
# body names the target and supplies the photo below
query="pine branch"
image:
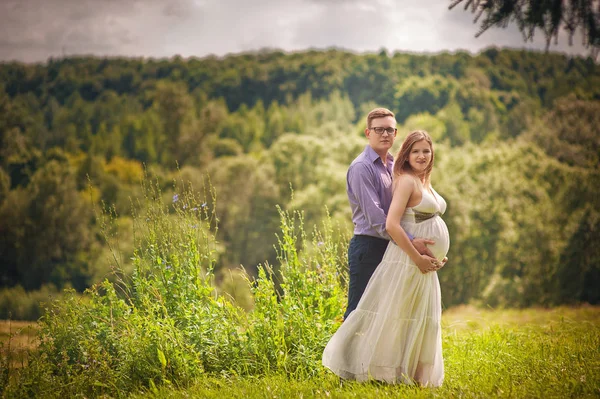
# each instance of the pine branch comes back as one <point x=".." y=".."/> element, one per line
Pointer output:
<point x="550" y="16"/>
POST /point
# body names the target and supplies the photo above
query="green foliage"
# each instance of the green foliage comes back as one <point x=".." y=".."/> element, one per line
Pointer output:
<point x="294" y="158"/>
<point x="18" y="304"/>
<point x="166" y="324"/>
<point x="291" y="326"/>
<point x="425" y="121"/>
<point x="261" y="124"/>
<point x="4" y="185"/>
<point x="570" y="132"/>
<point x="416" y="95"/>
<point x="51" y="241"/>
<point x="580" y="275"/>
<point x="225" y="147"/>
<point x="247" y="195"/>
<point x="457" y="130"/>
<point x="509" y="225"/>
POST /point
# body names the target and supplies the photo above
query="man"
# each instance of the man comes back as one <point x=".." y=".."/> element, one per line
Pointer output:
<point x="369" y="188"/>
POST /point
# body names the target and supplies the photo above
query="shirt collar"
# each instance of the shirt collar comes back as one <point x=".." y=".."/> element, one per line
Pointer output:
<point x="372" y="155"/>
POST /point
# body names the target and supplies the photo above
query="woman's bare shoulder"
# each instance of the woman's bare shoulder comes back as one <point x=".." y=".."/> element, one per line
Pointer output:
<point x="404" y="182"/>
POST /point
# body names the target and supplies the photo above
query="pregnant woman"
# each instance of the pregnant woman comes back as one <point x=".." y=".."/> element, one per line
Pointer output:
<point x="394" y="335"/>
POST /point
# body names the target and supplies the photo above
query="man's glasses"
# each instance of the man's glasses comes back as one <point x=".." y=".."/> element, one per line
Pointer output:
<point x="389" y="130"/>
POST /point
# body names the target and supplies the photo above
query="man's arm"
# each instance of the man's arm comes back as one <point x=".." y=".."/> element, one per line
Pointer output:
<point x="360" y="181"/>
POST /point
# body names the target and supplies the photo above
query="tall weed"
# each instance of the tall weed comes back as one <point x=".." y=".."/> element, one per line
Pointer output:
<point x="292" y="324"/>
<point x="167" y="324"/>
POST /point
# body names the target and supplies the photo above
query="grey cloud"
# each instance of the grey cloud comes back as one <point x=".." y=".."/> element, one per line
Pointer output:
<point x="179" y="9"/>
<point x="38" y="29"/>
<point x="33" y="30"/>
<point x="346" y="26"/>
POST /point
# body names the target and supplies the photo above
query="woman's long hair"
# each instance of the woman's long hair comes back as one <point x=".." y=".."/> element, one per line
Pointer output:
<point x="401" y="164"/>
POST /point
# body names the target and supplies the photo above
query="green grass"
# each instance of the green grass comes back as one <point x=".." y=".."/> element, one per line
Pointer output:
<point x="531" y="353"/>
<point x="541" y="353"/>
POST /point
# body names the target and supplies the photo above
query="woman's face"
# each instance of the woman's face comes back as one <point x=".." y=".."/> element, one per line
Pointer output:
<point x="420" y="156"/>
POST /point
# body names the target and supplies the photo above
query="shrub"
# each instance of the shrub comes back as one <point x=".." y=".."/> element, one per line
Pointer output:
<point x="167" y="324"/>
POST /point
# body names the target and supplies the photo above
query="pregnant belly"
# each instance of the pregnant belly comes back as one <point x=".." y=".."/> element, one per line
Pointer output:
<point x="441" y="246"/>
<point x="434" y="229"/>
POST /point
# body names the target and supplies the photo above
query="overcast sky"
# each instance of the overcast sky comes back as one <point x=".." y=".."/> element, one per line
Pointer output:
<point x="33" y="30"/>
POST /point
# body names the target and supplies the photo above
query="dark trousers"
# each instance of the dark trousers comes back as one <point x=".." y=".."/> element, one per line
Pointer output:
<point x="364" y="255"/>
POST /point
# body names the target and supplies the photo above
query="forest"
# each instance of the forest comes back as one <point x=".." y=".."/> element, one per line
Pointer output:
<point x="516" y="135"/>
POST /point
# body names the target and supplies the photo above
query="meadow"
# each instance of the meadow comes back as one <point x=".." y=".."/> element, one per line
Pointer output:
<point x="529" y="353"/>
<point x="533" y="353"/>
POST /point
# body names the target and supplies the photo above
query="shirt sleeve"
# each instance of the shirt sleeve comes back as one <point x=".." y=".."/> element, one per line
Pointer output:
<point x="361" y="183"/>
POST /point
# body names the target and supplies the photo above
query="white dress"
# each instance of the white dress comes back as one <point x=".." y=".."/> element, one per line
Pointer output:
<point x="394" y="335"/>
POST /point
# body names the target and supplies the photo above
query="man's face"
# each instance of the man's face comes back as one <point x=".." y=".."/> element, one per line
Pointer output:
<point x="381" y="143"/>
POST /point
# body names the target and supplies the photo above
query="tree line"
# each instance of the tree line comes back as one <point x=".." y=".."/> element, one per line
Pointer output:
<point x="517" y="141"/>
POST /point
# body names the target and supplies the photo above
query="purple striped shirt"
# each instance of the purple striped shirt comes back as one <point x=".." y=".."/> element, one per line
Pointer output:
<point x="369" y="188"/>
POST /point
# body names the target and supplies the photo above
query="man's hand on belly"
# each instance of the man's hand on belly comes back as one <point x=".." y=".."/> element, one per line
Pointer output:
<point x="421" y="244"/>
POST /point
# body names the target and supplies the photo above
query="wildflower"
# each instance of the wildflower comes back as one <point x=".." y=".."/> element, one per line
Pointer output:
<point x="185" y="206"/>
<point x="320" y="243"/>
<point x="195" y="208"/>
<point x="195" y="226"/>
<point x="175" y="198"/>
<point x="203" y="205"/>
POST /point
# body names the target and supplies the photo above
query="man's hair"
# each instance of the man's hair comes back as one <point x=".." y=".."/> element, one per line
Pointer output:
<point x="378" y="113"/>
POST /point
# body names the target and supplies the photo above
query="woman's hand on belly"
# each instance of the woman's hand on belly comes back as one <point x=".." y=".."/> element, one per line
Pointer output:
<point x="440" y="264"/>
<point x="426" y="264"/>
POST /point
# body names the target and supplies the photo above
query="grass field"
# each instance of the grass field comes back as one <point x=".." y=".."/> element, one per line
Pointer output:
<point x="531" y="353"/>
<point x="22" y="336"/>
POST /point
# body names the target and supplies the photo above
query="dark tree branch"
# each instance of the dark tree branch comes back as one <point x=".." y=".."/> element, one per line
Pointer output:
<point x="550" y="16"/>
